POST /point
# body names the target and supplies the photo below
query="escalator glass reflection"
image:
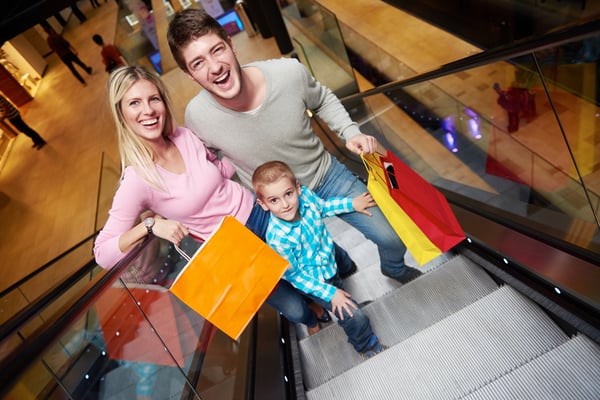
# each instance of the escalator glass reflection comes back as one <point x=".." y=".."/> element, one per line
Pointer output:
<point x="139" y="341"/>
<point x="513" y="135"/>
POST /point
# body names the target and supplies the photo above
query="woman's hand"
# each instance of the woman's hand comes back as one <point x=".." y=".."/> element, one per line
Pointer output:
<point x="168" y="229"/>
<point x="341" y="302"/>
<point x="173" y="231"/>
<point x="363" y="201"/>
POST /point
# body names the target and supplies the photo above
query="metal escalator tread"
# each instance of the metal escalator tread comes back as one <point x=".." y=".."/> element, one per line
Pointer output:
<point x="571" y="371"/>
<point x="396" y="316"/>
<point x="450" y="359"/>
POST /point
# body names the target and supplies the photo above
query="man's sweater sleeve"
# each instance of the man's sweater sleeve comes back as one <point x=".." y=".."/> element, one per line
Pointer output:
<point x="327" y="106"/>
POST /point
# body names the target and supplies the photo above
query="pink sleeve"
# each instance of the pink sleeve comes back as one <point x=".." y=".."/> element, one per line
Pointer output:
<point x="224" y="165"/>
<point x="128" y="203"/>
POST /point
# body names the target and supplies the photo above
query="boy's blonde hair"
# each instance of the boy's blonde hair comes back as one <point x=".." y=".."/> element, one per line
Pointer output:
<point x="271" y="172"/>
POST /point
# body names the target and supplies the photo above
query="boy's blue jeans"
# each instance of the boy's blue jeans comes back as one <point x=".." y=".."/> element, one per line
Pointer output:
<point x="338" y="181"/>
<point x="357" y="327"/>
<point x="286" y="299"/>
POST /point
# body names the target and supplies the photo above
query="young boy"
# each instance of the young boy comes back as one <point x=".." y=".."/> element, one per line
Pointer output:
<point x="298" y="232"/>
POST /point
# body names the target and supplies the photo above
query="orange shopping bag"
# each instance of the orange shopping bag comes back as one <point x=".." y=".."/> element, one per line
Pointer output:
<point x="229" y="277"/>
<point x="417" y="211"/>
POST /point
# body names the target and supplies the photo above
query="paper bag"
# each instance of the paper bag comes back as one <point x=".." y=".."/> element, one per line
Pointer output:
<point x="229" y="277"/>
<point x="417" y="211"/>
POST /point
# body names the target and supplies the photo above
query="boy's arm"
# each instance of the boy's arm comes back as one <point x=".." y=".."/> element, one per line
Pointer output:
<point x="330" y="207"/>
<point x="342" y="205"/>
<point x="340" y="300"/>
<point x="308" y="284"/>
<point x="295" y="274"/>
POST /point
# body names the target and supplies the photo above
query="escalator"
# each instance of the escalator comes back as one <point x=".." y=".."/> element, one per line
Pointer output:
<point x="513" y="312"/>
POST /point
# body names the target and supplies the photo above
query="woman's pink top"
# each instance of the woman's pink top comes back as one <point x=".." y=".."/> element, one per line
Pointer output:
<point x="199" y="198"/>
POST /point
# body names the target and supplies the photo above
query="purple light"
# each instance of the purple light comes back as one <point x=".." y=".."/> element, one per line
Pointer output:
<point x="470" y="113"/>
<point x="474" y="128"/>
<point x="473" y="123"/>
<point x="450" y="142"/>
<point x="448" y="124"/>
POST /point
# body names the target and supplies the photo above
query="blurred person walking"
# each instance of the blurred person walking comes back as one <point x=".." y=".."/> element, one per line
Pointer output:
<point x="66" y="53"/>
<point x="10" y="112"/>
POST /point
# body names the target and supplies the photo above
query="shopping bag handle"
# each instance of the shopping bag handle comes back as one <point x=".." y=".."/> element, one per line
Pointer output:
<point x="182" y="253"/>
<point x="391" y="182"/>
<point x="194" y="235"/>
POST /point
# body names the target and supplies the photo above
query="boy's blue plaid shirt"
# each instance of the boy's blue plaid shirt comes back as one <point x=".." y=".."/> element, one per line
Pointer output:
<point x="307" y="244"/>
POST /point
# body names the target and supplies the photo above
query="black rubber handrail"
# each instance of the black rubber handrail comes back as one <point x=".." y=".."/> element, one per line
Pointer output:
<point x="16" y="363"/>
<point x="44" y="267"/>
<point x="567" y="34"/>
<point x="34" y="308"/>
<point x="523" y="47"/>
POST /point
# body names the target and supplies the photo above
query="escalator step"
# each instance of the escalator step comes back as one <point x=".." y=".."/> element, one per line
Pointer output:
<point x="571" y="371"/>
<point x="397" y="316"/>
<point x="474" y="346"/>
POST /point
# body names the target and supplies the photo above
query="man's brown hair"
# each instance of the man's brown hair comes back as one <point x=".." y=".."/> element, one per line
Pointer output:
<point x="188" y="25"/>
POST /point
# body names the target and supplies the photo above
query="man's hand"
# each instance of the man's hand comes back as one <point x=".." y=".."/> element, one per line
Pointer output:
<point x="363" y="201"/>
<point x="362" y="144"/>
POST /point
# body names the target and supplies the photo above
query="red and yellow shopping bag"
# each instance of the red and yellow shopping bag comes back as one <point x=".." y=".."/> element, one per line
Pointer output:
<point x="417" y="211"/>
<point x="229" y="277"/>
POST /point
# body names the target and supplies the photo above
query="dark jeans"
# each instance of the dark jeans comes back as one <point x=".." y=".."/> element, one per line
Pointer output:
<point x="286" y="299"/>
<point x="26" y="129"/>
<point x="357" y="327"/>
<point x="71" y="58"/>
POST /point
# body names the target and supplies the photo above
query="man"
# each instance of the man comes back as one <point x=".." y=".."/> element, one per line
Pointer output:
<point x="10" y="112"/>
<point x="257" y="113"/>
<point x="66" y="53"/>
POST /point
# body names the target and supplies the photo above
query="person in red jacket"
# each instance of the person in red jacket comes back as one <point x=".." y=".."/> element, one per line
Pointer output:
<point x="514" y="101"/>
<point x="111" y="55"/>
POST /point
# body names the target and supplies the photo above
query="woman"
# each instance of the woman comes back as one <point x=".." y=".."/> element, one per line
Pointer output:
<point x="168" y="170"/>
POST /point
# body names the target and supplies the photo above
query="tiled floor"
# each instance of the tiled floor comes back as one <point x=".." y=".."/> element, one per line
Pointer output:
<point x="48" y="197"/>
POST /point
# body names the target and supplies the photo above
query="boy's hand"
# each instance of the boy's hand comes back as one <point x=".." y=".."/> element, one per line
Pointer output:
<point x="340" y="302"/>
<point x="363" y="201"/>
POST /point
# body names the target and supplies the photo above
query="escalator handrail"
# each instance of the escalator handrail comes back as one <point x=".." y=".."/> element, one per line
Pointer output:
<point x="33" y="309"/>
<point x="567" y="34"/>
<point x="16" y="363"/>
<point x="527" y="46"/>
<point x="45" y="266"/>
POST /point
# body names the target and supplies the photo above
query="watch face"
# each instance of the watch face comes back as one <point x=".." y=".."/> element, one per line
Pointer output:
<point x="149" y="223"/>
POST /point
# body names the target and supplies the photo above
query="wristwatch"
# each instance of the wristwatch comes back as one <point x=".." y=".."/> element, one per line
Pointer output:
<point x="149" y="224"/>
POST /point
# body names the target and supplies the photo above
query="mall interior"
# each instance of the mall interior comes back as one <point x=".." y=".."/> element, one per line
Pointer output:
<point x="512" y="312"/>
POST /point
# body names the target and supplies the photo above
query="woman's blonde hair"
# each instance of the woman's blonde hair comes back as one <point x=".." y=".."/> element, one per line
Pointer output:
<point x="132" y="149"/>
